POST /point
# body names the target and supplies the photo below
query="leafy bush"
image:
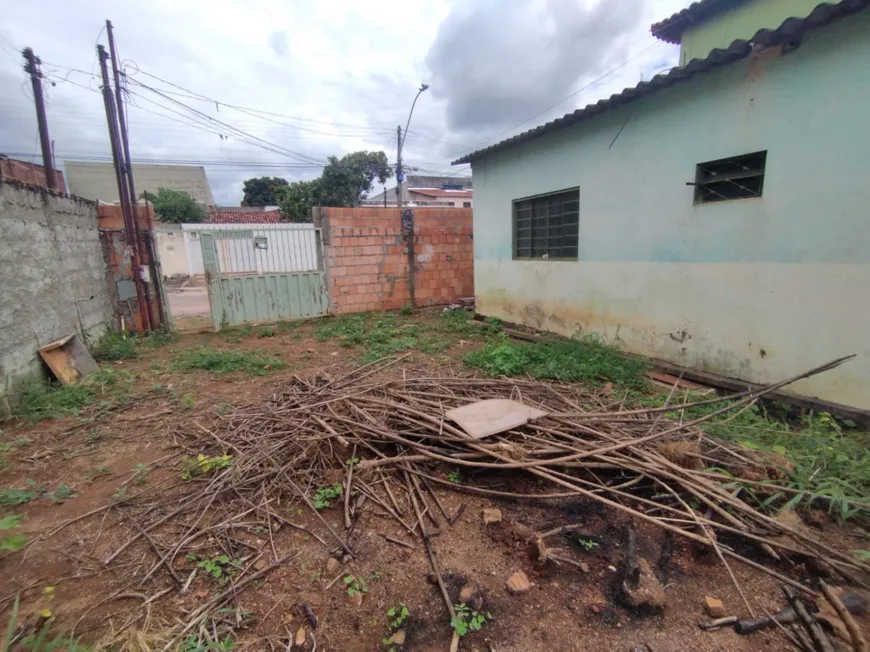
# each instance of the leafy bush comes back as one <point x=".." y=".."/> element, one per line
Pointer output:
<point x="588" y="359"/>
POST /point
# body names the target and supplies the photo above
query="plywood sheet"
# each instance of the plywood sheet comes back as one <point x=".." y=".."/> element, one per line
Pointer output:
<point x="485" y="418"/>
<point x="68" y="359"/>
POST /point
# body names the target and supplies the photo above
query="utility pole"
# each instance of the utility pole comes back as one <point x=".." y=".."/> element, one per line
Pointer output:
<point x="127" y="170"/>
<point x="31" y="66"/>
<point x="400" y="176"/>
<point x="129" y="218"/>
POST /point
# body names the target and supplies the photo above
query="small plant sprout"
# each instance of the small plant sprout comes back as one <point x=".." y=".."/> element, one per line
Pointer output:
<point x="353" y="461"/>
<point x="120" y="495"/>
<point x="187" y="401"/>
<point x="588" y="544"/>
<point x="355" y="585"/>
<point x="141" y="474"/>
<point x="398" y="615"/>
<point x="468" y="620"/>
<point x="97" y="472"/>
<point x="11" y="542"/>
<point x="376" y="575"/>
<point x="62" y="493"/>
<point x="324" y="496"/>
<point x="454" y="476"/>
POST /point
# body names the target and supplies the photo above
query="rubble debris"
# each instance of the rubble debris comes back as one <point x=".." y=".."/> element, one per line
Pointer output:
<point x="356" y="599"/>
<point x="518" y="583"/>
<point x="301" y="636"/>
<point x="491" y="516"/>
<point x="332" y="565"/>
<point x="398" y="637"/>
<point x="714" y="607"/>
<point x="837" y="600"/>
<point x="646" y="593"/>
<point x="750" y="625"/>
<point x="813" y="628"/>
<point x="470" y="594"/>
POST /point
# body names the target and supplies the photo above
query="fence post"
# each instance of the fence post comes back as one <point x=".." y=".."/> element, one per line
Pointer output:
<point x="408" y="233"/>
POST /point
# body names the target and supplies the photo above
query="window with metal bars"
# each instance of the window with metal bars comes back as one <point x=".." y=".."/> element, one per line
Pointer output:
<point x="547" y="226"/>
<point x="738" y="177"/>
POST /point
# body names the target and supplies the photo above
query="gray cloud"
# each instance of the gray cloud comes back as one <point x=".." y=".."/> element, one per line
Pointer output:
<point x="495" y="67"/>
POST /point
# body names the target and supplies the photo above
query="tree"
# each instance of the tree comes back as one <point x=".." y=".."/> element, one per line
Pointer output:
<point x="176" y="206"/>
<point x="260" y="191"/>
<point x="297" y="199"/>
<point x="345" y="181"/>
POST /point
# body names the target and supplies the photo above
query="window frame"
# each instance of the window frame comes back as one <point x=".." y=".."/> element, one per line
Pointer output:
<point x="701" y="182"/>
<point x="531" y="198"/>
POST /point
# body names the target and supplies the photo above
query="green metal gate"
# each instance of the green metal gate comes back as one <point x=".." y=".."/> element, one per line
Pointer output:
<point x="264" y="273"/>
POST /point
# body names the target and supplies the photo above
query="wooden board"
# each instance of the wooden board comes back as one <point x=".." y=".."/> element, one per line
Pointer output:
<point x="485" y="418"/>
<point x="68" y="359"/>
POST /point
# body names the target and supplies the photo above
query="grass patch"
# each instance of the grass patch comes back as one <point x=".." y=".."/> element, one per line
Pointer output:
<point x="826" y="460"/>
<point x="221" y="362"/>
<point x="50" y="400"/>
<point x="380" y="336"/>
<point x="115" y="345"/>
<point x="589" y="359"/>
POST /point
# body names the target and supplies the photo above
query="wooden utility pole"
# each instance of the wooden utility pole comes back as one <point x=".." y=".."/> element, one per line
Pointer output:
<point x="129" y="216"/>
<point x="31" y="66"/>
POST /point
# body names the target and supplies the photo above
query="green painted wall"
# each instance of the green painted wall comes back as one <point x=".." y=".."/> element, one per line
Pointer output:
<point x="740" y="23"/>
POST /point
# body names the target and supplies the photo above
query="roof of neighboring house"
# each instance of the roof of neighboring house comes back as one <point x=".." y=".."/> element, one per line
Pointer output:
<point x="438" y="192"/>
<point x="671" y="29"/>
<point x="790" y="29"/>
<point x="244" y="217"/>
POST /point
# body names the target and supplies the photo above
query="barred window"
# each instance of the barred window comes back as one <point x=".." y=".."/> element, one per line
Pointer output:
<point x="547" y="226"/>
<point x="738" y="177"/>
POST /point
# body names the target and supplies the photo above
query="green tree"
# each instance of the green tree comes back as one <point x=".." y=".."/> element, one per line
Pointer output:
<point x="345" y="181"/>
<point x="297" y="199"/>
<point x="176" y="206"/>
<point x="260" y="191"/>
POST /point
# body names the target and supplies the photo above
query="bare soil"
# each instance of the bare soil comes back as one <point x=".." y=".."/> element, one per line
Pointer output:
<point x="566" y="609"/>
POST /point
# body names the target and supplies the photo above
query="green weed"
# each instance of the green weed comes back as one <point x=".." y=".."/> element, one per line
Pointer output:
<point x="406" y="310"/>
<point x="221" y="362"/>
<point x="458" y="321"/>
<point x="221" y="568"/>
<point x="267" y="331"/>
<point x="114" y="345"/>
<point x="588" y="544"/>
<point x="14" y="497"/>
<point x="12" y="542"/>
<point x="454" y="476"/>
<point x="398" y="615"/>
<point x="141" y="473"/>
<point x="468" y="620"/>
<point x="203" y="464"/>
<point x="62" y="493"/>
<point x="323" y="496"/>
<point x="355" y="585"/>
<point x="50" y="400"/>
<point x="41" y="641"/>
<point x="826" y="462"/>
<point x="187" y="401"/>
<point x="235" y="332"/>
<point x="379" y="337"/>
<point x="587" y="359"/>
<point x="194" y="644"/>
<point x="97" y="472"/>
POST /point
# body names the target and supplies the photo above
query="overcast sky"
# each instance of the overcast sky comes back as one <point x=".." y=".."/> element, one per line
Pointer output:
<point x="334" y="76"/>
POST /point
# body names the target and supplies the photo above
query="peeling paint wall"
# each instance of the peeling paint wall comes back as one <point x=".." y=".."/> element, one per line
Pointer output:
<point x="50" y="262"/>
<point x="756" y="289"/>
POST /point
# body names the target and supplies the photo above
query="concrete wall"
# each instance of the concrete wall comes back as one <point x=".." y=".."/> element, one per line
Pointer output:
<point x="171" y="250"/>
<point x="367" y="257"/>
<point x="96" y="181"/>
<point x="741" y="22"/>
<point x="757" y="289"/>
<point x="50" y="256"/>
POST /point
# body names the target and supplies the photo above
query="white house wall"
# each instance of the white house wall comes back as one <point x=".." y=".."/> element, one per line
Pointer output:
<point x="756" y="289"/>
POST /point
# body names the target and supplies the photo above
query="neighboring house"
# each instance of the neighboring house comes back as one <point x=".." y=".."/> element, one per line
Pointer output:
<point x="96" y="181"/>
<point x="432" y="192"/>
<point x="715" y="216"/>
<point x="29" y="173"/>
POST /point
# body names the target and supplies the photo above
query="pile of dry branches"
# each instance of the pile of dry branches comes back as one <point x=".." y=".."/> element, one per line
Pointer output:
<point x="385" y="430"/>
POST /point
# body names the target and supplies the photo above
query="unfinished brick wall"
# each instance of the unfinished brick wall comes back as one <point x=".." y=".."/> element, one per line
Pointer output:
<point x="367" y="257"/>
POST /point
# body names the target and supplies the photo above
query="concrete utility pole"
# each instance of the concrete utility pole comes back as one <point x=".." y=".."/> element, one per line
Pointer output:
<point x="127" y="170"/>
<point x="400" y="175"/>
<point x="31" y="66"/>
<point x="129" y="216"/>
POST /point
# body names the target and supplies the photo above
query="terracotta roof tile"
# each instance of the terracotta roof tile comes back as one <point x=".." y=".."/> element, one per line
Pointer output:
<point x="253" y="217"/>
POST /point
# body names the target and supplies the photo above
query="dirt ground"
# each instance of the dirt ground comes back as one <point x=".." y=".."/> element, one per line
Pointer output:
<point x="103" y="454"/>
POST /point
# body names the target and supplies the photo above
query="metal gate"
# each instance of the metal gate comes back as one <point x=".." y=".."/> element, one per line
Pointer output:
<point x="263" y="272"/>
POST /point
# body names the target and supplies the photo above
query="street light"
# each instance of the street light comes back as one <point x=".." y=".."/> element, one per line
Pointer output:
<point x="400" y="176"/>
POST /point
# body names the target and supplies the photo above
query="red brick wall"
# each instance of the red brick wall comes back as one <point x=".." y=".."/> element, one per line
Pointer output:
<point x="28" y="173"/>
<point x="367" y="260"/>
